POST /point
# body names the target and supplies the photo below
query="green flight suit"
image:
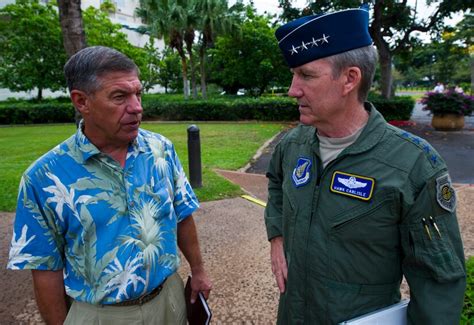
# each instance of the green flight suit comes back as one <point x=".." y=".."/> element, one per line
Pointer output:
<point x="347" y="250"/>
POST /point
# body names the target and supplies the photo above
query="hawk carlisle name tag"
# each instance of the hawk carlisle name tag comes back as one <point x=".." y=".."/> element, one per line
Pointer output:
<point x="301" y="174"/>
<point x="359" y="187"/>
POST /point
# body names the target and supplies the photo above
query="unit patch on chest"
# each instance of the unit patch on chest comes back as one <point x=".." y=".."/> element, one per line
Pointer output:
<point x="359" y="187"/>
<point x="302" y="172"/>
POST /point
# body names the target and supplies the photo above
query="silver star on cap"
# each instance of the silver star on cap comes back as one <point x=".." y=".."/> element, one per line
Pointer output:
<point x="293" y="50"/>
<point x="303" y="46"/>
<point x="324" y="38"/>
<point x="314" y="42"/>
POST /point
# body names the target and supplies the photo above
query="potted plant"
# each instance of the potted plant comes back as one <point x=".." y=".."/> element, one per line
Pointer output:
<point x="448" y="109"/>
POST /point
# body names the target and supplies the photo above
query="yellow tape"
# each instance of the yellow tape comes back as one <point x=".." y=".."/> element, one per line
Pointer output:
<point x="254" y="200"/>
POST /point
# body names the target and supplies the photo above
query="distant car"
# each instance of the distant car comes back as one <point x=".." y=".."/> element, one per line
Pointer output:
<point x="240" y="92"/>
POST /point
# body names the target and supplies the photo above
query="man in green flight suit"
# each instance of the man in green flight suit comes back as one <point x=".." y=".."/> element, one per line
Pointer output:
<point x="355" y="203"/>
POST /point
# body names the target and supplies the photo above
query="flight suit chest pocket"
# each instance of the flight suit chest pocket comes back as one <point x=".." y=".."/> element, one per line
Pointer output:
<point x="360" y="221"/>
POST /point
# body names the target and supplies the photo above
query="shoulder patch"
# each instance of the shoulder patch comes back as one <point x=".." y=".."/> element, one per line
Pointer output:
<point x="445" y="194"/>
<point x="302" y="172"/>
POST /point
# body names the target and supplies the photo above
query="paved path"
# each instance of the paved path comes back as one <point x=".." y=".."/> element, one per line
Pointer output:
<point x="235" y="251"/>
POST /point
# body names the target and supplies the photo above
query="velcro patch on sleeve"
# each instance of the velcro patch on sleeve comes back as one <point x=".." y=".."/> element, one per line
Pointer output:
<point x="445" y="194"/>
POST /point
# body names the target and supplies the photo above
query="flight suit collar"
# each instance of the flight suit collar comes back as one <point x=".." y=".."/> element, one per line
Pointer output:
<point x="372" y="133"/>
<point x="370" y="136"/>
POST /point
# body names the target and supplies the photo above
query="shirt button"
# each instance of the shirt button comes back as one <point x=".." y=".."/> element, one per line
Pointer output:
<point x="132" y="203"/>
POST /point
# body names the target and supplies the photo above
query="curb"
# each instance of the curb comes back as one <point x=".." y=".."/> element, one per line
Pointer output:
<point x="259" y="153"/>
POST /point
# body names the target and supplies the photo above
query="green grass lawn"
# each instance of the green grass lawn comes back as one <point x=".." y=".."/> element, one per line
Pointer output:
<point x="223" y="145"/>
<point x="415" y="94"/>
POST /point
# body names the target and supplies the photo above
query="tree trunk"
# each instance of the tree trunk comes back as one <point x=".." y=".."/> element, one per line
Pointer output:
<point x="383" y="49"/>
<point x="385" y="58"/>
<point x="193" y="73"/>
<point x="39" y="95"/>
<point x="184" y="69"/>
<point x="189" y="40"/>
<point x="472" y="76"/>
<point x="386" y="75"/>
<point x="185" y="80"/>
<point x="72" y="27"/>
<point x="202" y="55"/>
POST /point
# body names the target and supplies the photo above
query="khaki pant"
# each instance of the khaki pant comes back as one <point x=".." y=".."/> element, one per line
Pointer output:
<point x="167" y="308"/>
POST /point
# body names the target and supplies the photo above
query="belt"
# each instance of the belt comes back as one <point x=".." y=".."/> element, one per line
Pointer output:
<point x="140" y="300"/>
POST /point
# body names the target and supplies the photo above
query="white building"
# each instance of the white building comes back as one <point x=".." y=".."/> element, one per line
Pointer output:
<point x="123" y="15"/>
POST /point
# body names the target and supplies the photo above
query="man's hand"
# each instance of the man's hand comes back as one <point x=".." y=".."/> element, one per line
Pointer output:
<point x="189" y="245"/>
<point x="199" y="283"/>
<point x="279" y="267"/>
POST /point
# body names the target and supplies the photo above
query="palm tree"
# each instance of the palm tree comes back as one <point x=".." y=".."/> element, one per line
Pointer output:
<point x="70" y="18"/>
<point x="215" y="18"/>
<point x="164" y="19"/>
<point x="190" y="21"/>
<point x="72" y="27"/>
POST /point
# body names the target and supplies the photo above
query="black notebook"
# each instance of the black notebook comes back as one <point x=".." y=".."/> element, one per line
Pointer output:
<point x="199" y="312"/>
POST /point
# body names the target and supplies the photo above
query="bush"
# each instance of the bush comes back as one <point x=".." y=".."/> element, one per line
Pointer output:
<point x="175" y="108"/>
<point x="394" y="109"/>
<point x="24" y="112"/>
<point x="222" y="109"/>
<point x="467" y="316"/>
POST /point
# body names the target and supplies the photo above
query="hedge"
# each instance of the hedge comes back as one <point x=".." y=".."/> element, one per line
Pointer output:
<point x="217" y="109"/>
<point x="222" y="109"/>
<point x="467" y="316"/>
<point x="397" y="108"/>
<point x="19" y="112"/>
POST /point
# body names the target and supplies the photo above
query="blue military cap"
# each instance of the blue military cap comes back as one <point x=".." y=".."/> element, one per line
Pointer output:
<point x="314" y="37"/>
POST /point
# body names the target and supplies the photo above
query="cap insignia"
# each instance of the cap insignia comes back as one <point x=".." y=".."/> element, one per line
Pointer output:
<point x="314" y="42"/>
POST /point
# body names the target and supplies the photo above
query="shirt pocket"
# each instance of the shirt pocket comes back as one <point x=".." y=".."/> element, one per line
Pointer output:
<point x="430" y="256"/>
<point x="159" y="199"/>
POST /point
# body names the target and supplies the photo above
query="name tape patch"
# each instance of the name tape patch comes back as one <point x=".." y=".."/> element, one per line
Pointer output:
<point x="356" y="186"/>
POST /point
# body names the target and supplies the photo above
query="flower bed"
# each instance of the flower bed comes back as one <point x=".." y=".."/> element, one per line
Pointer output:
<point x="450" y="102"/>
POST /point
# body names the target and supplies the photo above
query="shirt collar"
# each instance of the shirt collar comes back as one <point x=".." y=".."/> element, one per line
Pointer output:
<point x="87" y="149"/>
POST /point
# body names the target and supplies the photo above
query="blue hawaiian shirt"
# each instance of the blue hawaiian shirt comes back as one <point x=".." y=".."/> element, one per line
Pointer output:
<point x="112" y="230"/>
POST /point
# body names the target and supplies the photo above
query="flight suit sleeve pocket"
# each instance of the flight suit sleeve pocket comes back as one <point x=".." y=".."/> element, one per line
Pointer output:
<point x="428" y="254"/>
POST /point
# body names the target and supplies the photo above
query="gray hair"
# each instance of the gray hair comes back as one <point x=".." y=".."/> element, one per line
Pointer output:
<point x="365" y="58"/>
<point x="83" y="69"/>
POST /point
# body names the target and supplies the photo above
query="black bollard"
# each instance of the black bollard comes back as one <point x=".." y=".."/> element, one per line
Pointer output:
<point x="194" y="156"/>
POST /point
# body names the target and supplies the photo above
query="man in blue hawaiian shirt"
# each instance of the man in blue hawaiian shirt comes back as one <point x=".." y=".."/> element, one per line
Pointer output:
<point x="101" y="216"/>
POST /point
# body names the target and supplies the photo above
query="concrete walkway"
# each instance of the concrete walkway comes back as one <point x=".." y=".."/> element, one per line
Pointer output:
<point x="235" y="250"/>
